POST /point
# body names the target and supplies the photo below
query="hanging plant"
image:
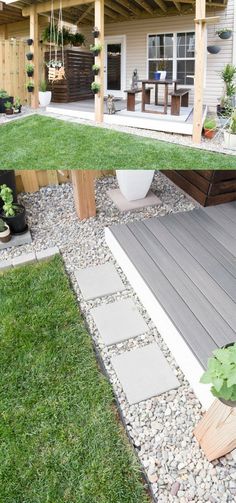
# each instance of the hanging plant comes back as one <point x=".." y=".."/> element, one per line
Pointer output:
<point x="77" y="39"/>
<point x="95" y="32"/>
<point x="30" y="86"/>
<point x="224" y="33"/>
<point x="96" y="49"/>
<point x="96" y="69"/>
<point x="54" y="63"/>
<point x="30" y="69"/>
<point x="96" y="87"/>
<point x="29" y="41"/>
<point x="213" y="49"/>
<point x="29" y="56"/>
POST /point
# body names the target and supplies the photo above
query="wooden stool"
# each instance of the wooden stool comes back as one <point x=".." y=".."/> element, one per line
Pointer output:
<point x="131" y="93"/>
<point x="216" y="432"/>
<point x="179" y="98"/>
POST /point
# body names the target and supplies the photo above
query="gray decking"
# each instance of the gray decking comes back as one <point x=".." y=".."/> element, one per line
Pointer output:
<point x="188" y="261"/>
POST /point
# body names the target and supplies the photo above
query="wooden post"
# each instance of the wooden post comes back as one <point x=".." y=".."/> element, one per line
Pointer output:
<point x="29" y="180"/>
<point x="99" y="60"/>
<point x="34" y="34"/>
<point x="216" y="432"/>
<point x="200" y="55"/>
<point x="84" y="193"/>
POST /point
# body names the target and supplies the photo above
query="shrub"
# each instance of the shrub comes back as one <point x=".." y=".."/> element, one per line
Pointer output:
<point x="221" y="373"/>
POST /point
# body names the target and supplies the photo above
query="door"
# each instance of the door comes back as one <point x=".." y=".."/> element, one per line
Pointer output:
<point x="114" y="66"/>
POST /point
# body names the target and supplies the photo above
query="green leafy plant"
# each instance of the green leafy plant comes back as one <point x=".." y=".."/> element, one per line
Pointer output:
<point x="162" y="65"/>
<point x="30" y="85"/>
<point x="6" y="195"/>
<point x="17" y="103"/>
<point x="3" y="94"/>
<point x="96" y="67"/>
<point x="210" y="123"/>
<point x="3" y="225"/>
<point x="95" y="86"/>
<point x="222" y="30"/>
<point x="43" y="86"/>
<point x="228" y="75"/>
<point x="29" y="67"/>
<point x="77" y="39"/>
<point x="63" y="36"/>
<point x="221" y="373"/>
<point x="96" y="48"/>
<point x="8" y="105"/>
<point x="232" y="125"/>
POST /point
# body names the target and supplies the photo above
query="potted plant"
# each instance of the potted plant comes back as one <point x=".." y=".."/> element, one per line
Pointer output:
<point x="224" y="33"/>
<point x="5" y="233"/>
<point x="30" y="69"/>
<point x="162" y="69"/>
<point x="54" y="63"/>
<point x="30" y="86"/>
<point x="213" y="49"/>
<point x="95" y="86"/>
<point x="134" y="183"/>
<point x="12" y="213"/>
<point x="96" y="49"/>
<point x="230" y="133"/>
<point x="29" y="56"/>
<point x="77" y="39"/>
<point x="221" y="373"/>
<point x="17" y="105"/>
<point x="8" y="108"/>
<point x="4" y="97"/>
<point x="96" y="69"/>
<point x="8" y="177"/>
<point x="44" y="95"/>
<point x="29" y="41"/>
<point x="209" y="127"/>
<point x="95" y="32"/>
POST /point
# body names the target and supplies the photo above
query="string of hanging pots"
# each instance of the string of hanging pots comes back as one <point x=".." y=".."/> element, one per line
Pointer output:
<point x="95" y="49"/>
<point x="30" y="67"/>
<point x="223" y="34"/>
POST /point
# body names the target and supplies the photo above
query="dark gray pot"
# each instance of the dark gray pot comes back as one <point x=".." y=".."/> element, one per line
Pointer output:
<point x="225" y="35"/>
<point x="213" y="49"/>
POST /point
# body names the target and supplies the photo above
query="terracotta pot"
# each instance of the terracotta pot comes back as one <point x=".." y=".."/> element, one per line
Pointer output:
<point x="209" y="133"/>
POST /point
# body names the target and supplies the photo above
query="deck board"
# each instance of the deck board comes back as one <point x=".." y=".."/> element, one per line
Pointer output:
<point x="188" y="261"/>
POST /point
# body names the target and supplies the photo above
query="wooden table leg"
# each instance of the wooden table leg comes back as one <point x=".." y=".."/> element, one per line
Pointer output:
<point x="166" y="99"/>
<point x="216" y="432"/>
<point x="130" y="102"/>
<point x="156" y="94"/>
<point x="143" y="97"/>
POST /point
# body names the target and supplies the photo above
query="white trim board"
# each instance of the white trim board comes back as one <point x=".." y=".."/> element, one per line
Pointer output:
<point x="174" y="340"/>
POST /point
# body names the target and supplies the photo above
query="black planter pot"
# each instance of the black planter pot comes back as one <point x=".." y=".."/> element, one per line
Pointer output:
<point x="17" y="223"/>
<point x="18" y="111"/>
<point x="95" y="33"/>
<point x="225" y="35"/>
<point x="95" y="92"/>
<point x="31" y="73"/>
<point x="29" y="56"/>
<point x="30" y="89"/>
<point x="2" y="103"/>
<point x="29" y="41"/>
<point x="96" y="53"/>
<point x="8" y="178"/>
<point x="96" y="72"/>
<point x="213" y="49"/>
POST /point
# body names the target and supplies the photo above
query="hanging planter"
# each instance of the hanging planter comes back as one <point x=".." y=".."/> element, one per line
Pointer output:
<point x="30" y="69"/>
<point x="96" y="87"/>
<point x="29" y="56"/>
<point x="30" y="87"/>
<point x="96" y="49"/>
<point x="95" y="32"/>
<point x="29" y="41"/>
<point x="213" y="49"/>
<point x="96" y="69"/>
<point x="224" y="33"/>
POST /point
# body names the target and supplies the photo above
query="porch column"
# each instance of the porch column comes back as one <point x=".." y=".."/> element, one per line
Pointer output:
<point x="200" y="48"/>
<point x="34" y="34"/>
<point x="84" y="193"/>
<point x="99" y="60"/>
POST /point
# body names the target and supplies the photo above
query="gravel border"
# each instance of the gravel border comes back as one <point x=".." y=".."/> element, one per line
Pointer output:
<point x="160" y="428"/>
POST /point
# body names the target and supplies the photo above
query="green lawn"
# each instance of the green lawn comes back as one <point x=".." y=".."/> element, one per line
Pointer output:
<point x="60" y="439"/>
<point x="38" y="142"/>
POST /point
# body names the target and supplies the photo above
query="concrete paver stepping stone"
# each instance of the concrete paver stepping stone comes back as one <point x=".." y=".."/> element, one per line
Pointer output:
<point x="144" y="373"/>
<point x="118" y="321"/>
<point x="123" y="205"/>
<point x="99" y="281"/>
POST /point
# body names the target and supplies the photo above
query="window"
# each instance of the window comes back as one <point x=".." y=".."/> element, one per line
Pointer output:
<point x="178" y="51"/>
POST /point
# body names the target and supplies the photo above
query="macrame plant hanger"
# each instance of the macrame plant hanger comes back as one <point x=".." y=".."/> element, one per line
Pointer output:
<point x="56" y="70"/>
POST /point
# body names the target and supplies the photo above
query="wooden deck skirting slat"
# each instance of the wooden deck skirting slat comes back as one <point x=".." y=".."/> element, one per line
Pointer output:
<point x="188" y="263"/>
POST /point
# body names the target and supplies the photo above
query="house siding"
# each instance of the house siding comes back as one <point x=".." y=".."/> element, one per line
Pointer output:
<point x="136" y="32"/>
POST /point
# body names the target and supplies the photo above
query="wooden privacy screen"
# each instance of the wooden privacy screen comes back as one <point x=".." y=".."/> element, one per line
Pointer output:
<point x="79" y="76"/>
<point x="13" y="76"/>
<point x="31" y="180"/>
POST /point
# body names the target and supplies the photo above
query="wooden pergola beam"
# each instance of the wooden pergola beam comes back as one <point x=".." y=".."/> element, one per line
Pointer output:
<point x="161" y="4"/>
<point x="46" y="6"/>
<point x="177" y="5"/>
<point x="85" y="13"/>
<point x="99" y="60"/>
<point x="200" y="48"/>
<point x="128" y="5"/>
<point x="84" y="193"/>
<point x="34" y="34"/>
<point x="116" y="8"/>
<point x="145" y="6"/>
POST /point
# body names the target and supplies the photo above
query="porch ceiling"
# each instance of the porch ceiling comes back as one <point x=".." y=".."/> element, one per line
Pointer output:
<point x="123" y="10"/>
<point x="9" y="14"/>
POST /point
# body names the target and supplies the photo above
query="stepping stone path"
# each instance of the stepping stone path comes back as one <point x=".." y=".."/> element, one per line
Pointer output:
<point x="99" y="281"/>
<point x="118" y="321"/>
<point x="123" y="205"/>
<point x="144" y="372"/>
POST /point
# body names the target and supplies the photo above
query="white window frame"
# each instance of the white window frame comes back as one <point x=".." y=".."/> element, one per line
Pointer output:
<point x="174" y="59"/>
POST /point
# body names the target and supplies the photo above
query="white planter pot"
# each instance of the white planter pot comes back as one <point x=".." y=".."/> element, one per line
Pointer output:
<point x="45" y="98"/>
<point x="134" y="183"/>
<point x="5" y="236"/>
<point x="163" y="75"/>
<point x="230" y="140"/>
